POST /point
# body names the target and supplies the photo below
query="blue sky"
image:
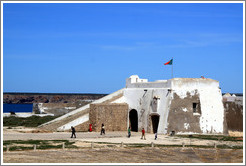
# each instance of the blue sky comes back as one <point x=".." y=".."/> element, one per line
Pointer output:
<point x="93" y="48"/>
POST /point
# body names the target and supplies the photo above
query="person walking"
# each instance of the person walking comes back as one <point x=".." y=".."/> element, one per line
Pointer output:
<point x="73" y="132"/>
<point x="103" y="129"/>
<point x="90" y="127"/>
<point x="155" y="135"/>
<point x="143" y="134"/>
<point x="129" y="132"/>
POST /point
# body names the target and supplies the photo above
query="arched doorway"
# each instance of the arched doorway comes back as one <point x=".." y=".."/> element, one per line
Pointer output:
<point x="155" y="122"/>
<point x="133" y="116"/>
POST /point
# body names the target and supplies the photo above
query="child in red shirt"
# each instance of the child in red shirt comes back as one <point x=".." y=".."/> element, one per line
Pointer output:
<point x="143" y="134"/>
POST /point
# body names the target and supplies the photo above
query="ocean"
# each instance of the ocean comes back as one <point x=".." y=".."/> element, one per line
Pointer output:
<point x="17" y="108"/>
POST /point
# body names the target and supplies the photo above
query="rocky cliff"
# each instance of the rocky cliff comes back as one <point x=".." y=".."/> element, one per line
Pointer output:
<point x="29" y="98"/>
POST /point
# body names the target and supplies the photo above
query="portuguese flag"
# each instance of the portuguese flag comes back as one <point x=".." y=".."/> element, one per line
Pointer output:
<point x="169" y="62"/>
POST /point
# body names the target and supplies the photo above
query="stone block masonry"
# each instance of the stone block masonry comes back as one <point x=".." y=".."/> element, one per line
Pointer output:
<point x="181" y="116"/>
<point x="82" y="127"/>
<point x="113" y="116"/>
<point x="234" y="116"/>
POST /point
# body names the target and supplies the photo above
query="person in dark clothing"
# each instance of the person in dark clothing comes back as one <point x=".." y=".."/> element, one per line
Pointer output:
<point x="73" y="132"/>
<point x="129" y="132"/>
<point x="103" y="129"/>
<point x="155" y="135"/>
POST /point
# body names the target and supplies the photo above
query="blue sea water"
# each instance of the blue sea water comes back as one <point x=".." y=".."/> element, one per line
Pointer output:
<point x="17" y="108"/>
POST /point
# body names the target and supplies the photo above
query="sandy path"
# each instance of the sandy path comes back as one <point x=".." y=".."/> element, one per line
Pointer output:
<point x="114" y="137"/>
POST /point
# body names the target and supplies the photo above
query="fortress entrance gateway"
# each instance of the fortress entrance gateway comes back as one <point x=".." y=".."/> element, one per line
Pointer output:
<point x="155" y="122"/>
<point x="133" y="117"/>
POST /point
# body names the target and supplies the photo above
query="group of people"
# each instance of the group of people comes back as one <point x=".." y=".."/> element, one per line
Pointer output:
<point x="143" y="134"/>
<point x="103" y="132"/>
<point x="90" y="130"/>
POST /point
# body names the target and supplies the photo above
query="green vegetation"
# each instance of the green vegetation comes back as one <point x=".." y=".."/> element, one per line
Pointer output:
<point x="32" y="121"/>
<point x="140" y="145"/>
<point x="57" y="144"/>
<point x="160" y="145"/>
<point x="9" y="142"/>
<point x="40" y="144"/>
<point x="212" y="137"/>
<point x="194" y="146"/>
<point x="103" y="142"/>
<point x="229" y="147"/>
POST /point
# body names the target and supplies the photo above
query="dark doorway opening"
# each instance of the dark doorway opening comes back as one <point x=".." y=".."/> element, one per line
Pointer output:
<point x="133" y="116"/>
<point x="155" y="122"/>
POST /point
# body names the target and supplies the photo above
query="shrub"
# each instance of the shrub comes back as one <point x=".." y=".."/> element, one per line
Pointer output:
<point x="32" y="121"/>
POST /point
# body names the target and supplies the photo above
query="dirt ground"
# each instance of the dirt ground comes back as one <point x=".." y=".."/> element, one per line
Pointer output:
<point x="235" y="134"/>
<point x="118" y="154"/>
<point x="127" y="155"/>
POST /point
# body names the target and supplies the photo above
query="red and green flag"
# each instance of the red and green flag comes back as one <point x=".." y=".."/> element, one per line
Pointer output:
<point x="169" y="62"/>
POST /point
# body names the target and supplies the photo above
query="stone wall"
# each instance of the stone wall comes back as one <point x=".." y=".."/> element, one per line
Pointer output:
<point x="181" y="117"/>
<point x="83" y="127"/>
<point x="234" y="116"/>
<point x="113" y="116"/>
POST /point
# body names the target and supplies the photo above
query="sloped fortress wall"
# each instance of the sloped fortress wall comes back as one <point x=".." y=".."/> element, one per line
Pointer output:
<point x="113" y="116"/>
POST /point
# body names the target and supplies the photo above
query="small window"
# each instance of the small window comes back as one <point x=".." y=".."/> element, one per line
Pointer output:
<point x="195" y="107"/>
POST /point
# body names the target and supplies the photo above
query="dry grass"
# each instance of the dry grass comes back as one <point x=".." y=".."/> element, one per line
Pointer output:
<point x="235" y="134"/>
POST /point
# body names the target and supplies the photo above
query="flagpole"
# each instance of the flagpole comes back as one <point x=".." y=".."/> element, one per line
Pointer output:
<point x="172" y="67"/>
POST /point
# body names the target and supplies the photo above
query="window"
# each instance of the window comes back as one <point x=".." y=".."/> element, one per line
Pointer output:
<point x="195" y="107"/>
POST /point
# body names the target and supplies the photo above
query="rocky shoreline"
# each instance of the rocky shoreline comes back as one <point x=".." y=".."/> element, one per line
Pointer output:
<point x="29" y="98"/>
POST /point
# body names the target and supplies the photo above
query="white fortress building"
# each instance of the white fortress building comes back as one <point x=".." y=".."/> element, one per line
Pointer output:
<point x="180" y="105"/>
<point x="189" y="105"/>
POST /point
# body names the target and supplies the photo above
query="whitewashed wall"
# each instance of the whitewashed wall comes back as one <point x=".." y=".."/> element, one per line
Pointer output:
<point x="138" y="98"/>
<point x="212" y="110"/>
